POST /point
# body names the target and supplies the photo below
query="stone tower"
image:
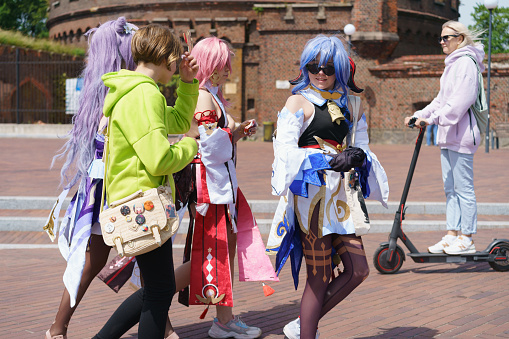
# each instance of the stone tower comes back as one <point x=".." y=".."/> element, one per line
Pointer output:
<point x="268" y="37"/>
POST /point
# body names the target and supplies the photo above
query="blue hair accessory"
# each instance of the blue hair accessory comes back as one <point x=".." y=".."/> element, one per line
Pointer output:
<point x="129" y="29"/>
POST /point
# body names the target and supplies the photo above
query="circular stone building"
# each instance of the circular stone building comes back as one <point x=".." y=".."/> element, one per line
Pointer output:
<point x="395" y="46"/>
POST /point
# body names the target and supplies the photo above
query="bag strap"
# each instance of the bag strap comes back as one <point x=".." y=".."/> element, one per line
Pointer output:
<point x="138" y="193"/>
<point x="480" y="90"/>
<point x="480" y="86"/>
<point x="355" y="117"/>
<point x="105" y="160"/>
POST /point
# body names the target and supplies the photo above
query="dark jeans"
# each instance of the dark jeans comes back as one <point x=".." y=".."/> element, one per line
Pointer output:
<point x="149" y="305"/>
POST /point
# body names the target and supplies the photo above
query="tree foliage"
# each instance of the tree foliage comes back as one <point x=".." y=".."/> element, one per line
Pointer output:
<point x="499" y="27"/>
<point x="26" y="16"/>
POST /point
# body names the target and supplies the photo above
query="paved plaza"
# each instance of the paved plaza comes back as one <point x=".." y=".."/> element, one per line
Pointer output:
<point x="450" y="300"/>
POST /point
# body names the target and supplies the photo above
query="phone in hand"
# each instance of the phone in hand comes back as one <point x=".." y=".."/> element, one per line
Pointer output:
<point x="251" y="124"/>
<point x="188" y="40"/>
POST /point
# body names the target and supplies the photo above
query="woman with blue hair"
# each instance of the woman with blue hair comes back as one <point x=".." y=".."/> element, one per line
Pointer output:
<point x="311" y="151"/>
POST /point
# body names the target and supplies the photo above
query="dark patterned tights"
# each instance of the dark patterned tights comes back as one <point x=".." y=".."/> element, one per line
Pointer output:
<point x="321" y="294"/>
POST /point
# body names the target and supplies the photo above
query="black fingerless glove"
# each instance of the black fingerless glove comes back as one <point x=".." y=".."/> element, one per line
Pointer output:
<point x="349" y="158"/>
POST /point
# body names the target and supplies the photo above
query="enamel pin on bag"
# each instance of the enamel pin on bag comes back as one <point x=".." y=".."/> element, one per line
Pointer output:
<point x="140" y="222"/>
<point x="355" y="199"/>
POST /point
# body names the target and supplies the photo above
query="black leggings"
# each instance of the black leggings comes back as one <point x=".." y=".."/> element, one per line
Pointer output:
<point x="149" y="305"/>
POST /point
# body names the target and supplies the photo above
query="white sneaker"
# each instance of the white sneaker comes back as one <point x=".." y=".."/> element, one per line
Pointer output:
<point x="235" y="328"/>
<point x="439" y="247"/>
<point x="292" y="330"/>
<point x="462" y="245"/>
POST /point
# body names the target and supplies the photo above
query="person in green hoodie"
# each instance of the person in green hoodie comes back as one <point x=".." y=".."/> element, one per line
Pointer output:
<point x="141" y="157"/>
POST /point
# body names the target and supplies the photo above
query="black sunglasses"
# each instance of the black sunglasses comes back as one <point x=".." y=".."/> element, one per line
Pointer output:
<point x="315" y="69"/>
<point x="445" y="38"/>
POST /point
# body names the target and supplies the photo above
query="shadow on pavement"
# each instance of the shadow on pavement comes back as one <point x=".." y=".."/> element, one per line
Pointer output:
<point x="404" y="332"/>
<point x="280" y="315"/>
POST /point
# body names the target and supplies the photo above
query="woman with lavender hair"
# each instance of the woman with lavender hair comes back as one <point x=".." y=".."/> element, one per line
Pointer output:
<point x="80" y="240"/>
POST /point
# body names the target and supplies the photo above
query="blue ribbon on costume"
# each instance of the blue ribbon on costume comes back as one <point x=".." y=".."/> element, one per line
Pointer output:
<point x="363" y="172"/>
<point x="312" y="173"/>
<point x="291" y="246"/>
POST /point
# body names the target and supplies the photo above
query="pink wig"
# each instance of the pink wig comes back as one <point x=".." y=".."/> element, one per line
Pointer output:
<point x="211" y="54"/>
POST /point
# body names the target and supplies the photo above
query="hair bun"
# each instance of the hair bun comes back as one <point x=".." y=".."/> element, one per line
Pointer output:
<point x="120" y="25"/>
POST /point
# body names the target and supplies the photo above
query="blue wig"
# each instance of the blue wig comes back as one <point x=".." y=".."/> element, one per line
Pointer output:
<point x="328" y="48"/>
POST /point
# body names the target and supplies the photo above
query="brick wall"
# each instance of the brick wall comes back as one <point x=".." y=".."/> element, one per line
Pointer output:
<point x="445" y="9"/>
<point x="405" y="83"/>
<point x="268" y="37"/>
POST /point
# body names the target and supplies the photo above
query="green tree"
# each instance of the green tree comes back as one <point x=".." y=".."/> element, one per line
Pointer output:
<point x="26" y="16"/>
<point x="499" y="27"/>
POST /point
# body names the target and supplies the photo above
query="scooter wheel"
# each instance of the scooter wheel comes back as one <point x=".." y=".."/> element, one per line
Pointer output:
<point x="381" y="260"/>
<point x="501" y="266"/>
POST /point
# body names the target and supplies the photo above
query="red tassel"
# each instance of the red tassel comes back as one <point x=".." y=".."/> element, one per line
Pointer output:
<point x="267" y="290"/>
<point x="204" y="313"/>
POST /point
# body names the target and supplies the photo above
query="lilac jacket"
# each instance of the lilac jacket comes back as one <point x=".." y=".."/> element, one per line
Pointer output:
<point x="457" y="131"/>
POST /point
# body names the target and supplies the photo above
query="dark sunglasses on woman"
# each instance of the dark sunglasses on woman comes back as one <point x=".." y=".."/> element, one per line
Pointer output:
<point x="446" y="38"/>
<point x="315" y="69"/>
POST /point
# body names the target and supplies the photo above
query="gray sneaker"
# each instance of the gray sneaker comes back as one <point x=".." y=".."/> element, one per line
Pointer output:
<point x="235" y="328"/>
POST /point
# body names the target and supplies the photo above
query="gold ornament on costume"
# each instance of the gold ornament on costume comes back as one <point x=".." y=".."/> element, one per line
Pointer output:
<point x="209" y="127"/>
<point x="334" y="110"/>
<point x="50" y="226"/>
<point x="211" y="296"/>
<point x="323" y="144"/>
<point x="214" y="78"/>
<point x="209" y="292"/>
<point x="327" y="95"/>
<point x="340" y="208"/>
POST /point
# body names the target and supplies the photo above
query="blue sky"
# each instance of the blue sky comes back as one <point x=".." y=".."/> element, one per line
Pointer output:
<point x="467" y="7"/>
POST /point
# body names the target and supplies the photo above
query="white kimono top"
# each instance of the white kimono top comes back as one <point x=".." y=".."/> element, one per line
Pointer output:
<point x="292" y="163"/>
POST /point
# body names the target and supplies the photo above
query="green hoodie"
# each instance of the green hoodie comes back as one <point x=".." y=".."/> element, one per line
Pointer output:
<point x="140" y="155"/>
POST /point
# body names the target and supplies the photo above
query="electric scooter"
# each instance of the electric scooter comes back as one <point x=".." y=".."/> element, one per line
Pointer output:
<point x="389" y="257"/>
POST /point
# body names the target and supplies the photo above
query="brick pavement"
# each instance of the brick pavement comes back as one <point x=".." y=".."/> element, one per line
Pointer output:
<point x="25" y="162"/>
<point x="421" y="301"/>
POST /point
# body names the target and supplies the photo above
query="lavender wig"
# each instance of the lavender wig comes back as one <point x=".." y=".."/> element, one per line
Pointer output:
<point x="327" y="48"/>
<point x="109" y="51"/>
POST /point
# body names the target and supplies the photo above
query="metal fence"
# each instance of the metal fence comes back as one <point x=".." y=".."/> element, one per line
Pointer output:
<point x="33" y="86"/>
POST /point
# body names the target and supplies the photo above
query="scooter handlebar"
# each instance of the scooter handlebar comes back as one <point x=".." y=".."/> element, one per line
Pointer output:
<point x="411" y="123"/>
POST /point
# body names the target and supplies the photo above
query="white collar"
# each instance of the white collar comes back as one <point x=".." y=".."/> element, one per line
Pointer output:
<point x="210" y="88"/>
<point x="314" y="96"/>
<point x="214" y="90"/>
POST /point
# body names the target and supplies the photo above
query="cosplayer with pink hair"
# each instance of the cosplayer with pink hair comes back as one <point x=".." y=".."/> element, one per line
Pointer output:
<point x="215" y="55"/>
<point x="79" y="237"/>
<point x="221" y="220"/>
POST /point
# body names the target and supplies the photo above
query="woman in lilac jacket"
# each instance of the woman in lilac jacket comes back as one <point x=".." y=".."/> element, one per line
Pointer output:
<point x="458" y="134"/>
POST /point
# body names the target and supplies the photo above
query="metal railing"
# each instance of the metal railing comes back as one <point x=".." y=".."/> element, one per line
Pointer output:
<point x="33" y="87"/>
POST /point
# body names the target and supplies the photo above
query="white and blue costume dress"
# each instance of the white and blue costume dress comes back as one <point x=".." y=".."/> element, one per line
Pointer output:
<point x="302" y="178"/>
